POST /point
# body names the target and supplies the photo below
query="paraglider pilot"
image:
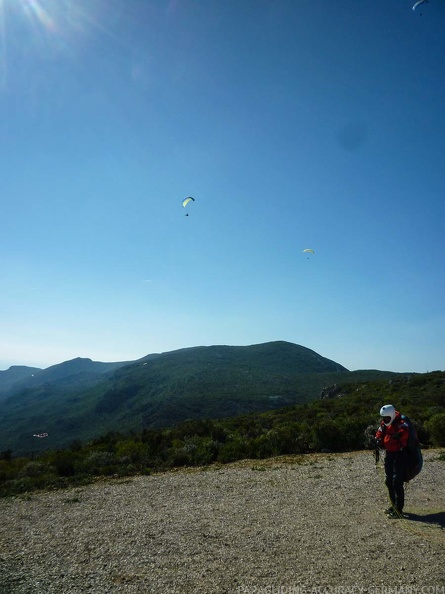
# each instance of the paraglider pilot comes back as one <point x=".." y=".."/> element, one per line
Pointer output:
<point x="392" y="436"/>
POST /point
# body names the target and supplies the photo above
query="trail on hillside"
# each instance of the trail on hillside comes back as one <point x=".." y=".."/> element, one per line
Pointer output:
<point x="290" y="524"/>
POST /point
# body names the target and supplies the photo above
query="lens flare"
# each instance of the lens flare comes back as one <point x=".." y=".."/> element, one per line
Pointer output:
<point x="37" y="11"/>
<point x="47" y="29"/>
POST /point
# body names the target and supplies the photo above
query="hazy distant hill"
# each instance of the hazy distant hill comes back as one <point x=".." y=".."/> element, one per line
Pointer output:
<point x="159" y="390"/>
<point x="72" y="373"/>
<point x="14" y="375"/>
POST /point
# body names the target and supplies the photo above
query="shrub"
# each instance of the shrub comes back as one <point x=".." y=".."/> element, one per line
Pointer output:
<point x="131" y="450"/>
<point x="436" y="429"/>
<point x="235" y="449"/>
<point x="64" y="463"/>
<point x="32" y="469"/>
<point x="206" y="450"/>
<point x="351" y="434"/>
<point x="369" y="436"/>
<point x="264" y="446"/>
<point x="99" y="463"/>
<point x="326" y="435"/>
<point x="304" y="441"/>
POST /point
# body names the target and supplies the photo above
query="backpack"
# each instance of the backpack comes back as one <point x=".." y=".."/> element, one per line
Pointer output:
<point x="414" y="453"/>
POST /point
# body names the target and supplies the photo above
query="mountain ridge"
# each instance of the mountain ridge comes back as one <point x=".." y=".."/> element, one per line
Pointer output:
<point x="81" y="399"/>
<point x="20" y="377"/>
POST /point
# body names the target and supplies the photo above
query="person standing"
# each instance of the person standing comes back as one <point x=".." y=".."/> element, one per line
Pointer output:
<point x="392" y="436"/>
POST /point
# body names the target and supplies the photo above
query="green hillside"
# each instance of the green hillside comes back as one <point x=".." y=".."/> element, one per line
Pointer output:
<point x="195" y="383"/>
<point x="346" y="421"/>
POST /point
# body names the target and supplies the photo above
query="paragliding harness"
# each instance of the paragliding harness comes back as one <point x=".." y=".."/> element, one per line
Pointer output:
<point x="414" y="454"/>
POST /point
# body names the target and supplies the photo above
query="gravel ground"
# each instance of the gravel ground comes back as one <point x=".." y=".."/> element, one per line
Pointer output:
<point x="310" y="523"/>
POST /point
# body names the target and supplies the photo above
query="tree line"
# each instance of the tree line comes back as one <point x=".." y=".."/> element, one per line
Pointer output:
<point x="345" y="422"/>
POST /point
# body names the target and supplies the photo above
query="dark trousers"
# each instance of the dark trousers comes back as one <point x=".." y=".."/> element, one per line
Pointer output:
<point x="395" y="468"/>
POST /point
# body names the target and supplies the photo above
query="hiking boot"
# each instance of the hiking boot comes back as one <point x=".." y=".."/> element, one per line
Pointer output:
<point x="395" y="513"/>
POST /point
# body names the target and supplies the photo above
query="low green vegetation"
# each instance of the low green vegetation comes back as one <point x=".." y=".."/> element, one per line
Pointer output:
<point x="344" y="422"/>
<point x="164" y="390"/>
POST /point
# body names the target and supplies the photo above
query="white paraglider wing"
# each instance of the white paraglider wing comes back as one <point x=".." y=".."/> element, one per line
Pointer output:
<point x="187" y="200"/>
<point x="419" y="3"/>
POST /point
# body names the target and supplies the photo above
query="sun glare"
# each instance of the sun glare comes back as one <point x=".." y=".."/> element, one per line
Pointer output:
<point x="33" y="11"/>
<point x="23" y="23"/>
<point x="36" y="9"/>
<point x="46" y="27"/>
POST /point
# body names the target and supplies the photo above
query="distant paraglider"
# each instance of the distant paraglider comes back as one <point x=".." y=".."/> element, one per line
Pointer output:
<point x="418" y="4"/>
<point x="308" y="251"/>
<point x="186" y="201"/>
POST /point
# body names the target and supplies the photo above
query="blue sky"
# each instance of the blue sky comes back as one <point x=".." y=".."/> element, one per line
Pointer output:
<point x="293" y="123"/>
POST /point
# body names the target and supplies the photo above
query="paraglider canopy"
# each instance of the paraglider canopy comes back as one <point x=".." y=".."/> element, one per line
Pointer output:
<point x="187" y="200"/>
<point x="308" y="250"/>
<point x="419" y="3"/>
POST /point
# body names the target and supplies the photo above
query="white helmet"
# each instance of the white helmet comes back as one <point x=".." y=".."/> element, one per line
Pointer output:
<point x="388" y="411"/>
